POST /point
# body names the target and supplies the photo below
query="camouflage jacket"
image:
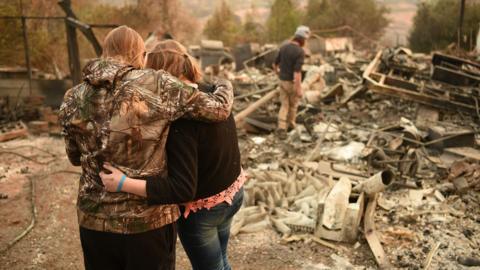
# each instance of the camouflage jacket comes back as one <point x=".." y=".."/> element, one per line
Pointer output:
<point x="122" y="115"/>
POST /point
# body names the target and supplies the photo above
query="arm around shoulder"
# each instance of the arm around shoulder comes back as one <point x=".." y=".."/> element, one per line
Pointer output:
<point x="213" y="107"/>
<point x="182" y="181"/>
<point x="175" y="99"/>
<point x="73" y="153"/>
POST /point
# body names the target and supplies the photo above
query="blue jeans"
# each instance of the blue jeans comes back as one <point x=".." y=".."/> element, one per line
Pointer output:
<point x="204" y="235"/>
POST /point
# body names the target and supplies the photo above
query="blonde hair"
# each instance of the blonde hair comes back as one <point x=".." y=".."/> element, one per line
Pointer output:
<point x="126" y="45"/>
<point x="171" y="56"/>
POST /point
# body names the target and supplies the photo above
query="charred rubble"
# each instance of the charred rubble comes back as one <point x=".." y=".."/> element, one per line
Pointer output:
<point x="385" y="153"/>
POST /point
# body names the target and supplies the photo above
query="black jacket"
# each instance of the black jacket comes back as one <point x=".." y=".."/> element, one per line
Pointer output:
<point x="203" y="159"/>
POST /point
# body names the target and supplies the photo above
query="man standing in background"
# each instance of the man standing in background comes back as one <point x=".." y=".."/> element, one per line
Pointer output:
<point x="288" y="65"/>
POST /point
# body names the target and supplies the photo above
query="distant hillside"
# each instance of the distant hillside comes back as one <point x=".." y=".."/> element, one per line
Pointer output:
<point x="204" y="8"/>
<point x="401" y="13"/>
<point x="401" y="17"/>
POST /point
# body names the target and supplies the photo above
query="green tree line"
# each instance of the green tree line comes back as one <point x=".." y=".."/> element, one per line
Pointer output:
<point x="436" y="25"/>
<point x="366" y="16"/>
<point x="48" y="41"/>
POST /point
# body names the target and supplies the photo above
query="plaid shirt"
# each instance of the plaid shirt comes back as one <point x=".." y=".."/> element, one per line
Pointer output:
<point x="122" y="115"/>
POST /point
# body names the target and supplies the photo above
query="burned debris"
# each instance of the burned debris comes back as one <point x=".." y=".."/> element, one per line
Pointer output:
<point x="385" y="154"/>
<point x="448" y="88"/>
<point x="386" y="149"/>
<point x="29" y="115"/>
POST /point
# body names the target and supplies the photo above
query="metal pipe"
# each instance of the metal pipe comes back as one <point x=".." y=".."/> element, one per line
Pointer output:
<point x="376" y="183"/>
<point x="26" y="48"/>
<point x="460" y="23"/>
<point x="254" y="106"/>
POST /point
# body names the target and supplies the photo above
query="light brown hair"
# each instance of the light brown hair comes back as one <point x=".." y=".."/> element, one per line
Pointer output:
<point x="171" y="56"/>
<point x="126" y="45"/>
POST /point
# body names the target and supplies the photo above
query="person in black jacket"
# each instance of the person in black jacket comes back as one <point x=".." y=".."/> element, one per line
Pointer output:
<point x="204" y="172"/>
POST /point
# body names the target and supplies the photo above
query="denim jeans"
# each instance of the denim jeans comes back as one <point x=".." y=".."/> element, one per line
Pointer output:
<point x="205" y="233"/>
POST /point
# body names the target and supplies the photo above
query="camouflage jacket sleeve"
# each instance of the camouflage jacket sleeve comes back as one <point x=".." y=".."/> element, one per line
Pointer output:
<point x="216" y="106"/>
<point x="194" y="104"/>
<point x="72" y="151"/>
<point x="71" y="146"/>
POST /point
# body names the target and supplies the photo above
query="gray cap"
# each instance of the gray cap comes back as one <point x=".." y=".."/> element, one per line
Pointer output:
<point x="303" y="32"/>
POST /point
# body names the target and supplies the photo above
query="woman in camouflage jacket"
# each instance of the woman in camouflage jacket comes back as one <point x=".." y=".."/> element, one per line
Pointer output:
<point x="122" y="114"/>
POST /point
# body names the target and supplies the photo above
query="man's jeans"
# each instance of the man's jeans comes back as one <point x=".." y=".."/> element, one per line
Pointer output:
<point x="204" y="234"/>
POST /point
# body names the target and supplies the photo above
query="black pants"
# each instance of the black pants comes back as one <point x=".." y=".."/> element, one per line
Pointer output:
<point x="152" y="250"/>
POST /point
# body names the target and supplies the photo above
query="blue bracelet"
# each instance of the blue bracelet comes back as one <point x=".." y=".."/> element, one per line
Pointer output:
<point x="120" y="184"/>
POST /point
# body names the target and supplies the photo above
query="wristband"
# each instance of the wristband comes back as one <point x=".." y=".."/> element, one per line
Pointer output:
<point x="120" y="184"/>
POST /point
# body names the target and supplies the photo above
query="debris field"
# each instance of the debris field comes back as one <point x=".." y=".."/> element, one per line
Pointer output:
<point x="381" y="171"/>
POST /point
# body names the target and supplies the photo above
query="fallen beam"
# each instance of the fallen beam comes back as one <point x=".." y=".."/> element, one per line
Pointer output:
<point x="261" y="91"/>
<point x="467" y="152"/>
<point x="268" y="127"/>
<point x="240" y="117"/>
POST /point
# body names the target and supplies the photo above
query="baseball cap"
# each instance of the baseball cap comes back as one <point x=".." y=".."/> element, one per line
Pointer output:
<point x="303" y="31"/>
